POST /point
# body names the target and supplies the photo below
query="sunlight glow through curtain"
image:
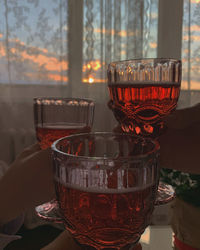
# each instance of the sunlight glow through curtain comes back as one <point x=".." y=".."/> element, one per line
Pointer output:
<point x="117" y="30"/>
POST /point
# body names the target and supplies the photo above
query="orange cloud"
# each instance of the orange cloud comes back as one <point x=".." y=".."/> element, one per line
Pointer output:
<point x="104" y="31"/>
<point x="13" y="50"/>
<point x="2" y="50"/>
<point x="186" y="51"/>
<point x="195" y="1"/>
<point x="50" y="63"/>
<point x="194" y="85"/>
<point x="193" y="38"/>
<point x="16" y="40"/>
<point x="122" y="33"/>
<point x="153" y="45"/>
<point x="192" y="27"/>
<point x="54" y="77"/>
<point x="58" y="77"/>
<point x="154" y="15"/>
<point x="123" y="52"/>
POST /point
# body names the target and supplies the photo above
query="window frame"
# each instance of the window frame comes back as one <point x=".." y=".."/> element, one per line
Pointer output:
<point x="170" y="21"/>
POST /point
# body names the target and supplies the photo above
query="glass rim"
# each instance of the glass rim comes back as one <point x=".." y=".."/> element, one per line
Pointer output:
<point x="151" y="59"/>
<point x="155" y="149"/>
<point x="51" y="98"/>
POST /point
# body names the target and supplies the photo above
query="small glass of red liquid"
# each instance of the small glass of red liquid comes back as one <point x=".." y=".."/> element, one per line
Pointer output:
<point x="58" y="117"/>
<point x="143" y="92"/>
<point x="55" y="118"/>
<point x="106" y="185"/>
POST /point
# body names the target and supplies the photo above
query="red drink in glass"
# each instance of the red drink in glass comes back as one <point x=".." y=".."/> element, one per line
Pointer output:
<point x="47" y="134"/>
<point x="58" y="117"/>
<point x="55" y="118"/>
<point x="108" y="217"/>
<point x="143" y="92"/>
<point x="140" y="107"/>
<point x="106" y="186"/>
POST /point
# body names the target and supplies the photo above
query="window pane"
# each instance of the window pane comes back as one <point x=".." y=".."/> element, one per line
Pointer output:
<point x="117" y="30"/>
<point x="33" y="41"/>
<point x="190" y="45"/>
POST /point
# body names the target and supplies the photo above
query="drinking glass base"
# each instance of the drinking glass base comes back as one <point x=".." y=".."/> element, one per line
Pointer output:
<point x="165" y="193"/>
<point x="49" y="211"/>
<point x="133" y="246"/>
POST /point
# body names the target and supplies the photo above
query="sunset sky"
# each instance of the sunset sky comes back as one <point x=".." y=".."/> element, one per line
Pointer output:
<point x="33" y="43"/>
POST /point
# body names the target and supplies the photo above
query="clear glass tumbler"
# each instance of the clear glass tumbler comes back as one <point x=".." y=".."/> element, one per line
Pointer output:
<point x="55" y="118"/>
<point x="58" y="117"/>
<point x="106" y="186"/>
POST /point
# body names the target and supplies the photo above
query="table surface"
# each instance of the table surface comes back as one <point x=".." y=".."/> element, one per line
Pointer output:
<point x="157" y="238"/>
<point x="154" y="238"/>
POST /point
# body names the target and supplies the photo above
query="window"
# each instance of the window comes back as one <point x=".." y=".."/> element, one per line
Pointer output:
<point x="33" y="42"/>
<point x="36" y="38"/>
<point x="191" y="52"/>
<point x="116" y="30"/>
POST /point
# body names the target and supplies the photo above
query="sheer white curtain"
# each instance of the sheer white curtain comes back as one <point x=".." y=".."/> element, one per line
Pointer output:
<point x="191" y="52"/>
<point x="179" y="36"/>
<point x="33" y="62"/>
<point x="62" y="48"/>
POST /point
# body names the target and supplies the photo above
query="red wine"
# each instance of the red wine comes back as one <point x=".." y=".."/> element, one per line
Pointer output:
<point x="140" y="108"/>
<point x="47" y="134"/>
<point x="108" y="217"/>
